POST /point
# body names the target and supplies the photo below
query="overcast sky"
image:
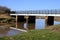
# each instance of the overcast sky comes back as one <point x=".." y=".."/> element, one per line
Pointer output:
<point x="31" y="4"/>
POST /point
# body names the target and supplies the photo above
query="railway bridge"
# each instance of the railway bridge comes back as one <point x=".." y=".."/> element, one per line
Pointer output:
<point x="30" y="16"/>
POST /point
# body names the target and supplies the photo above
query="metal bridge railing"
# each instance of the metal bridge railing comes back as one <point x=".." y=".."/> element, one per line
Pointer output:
<point x="40" y="12"/>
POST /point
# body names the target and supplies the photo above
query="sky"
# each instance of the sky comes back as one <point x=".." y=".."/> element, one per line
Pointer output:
<point x="30" y="4"/>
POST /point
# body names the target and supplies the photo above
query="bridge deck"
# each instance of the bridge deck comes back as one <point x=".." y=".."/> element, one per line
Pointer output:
<point x="36" y="14"/>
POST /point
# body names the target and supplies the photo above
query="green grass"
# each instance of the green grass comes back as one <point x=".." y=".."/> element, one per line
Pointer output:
<point x="35" y="35"/>
<point x="43" y="34"/>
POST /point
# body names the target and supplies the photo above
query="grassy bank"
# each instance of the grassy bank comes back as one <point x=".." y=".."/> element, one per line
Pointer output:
<point x="44" y="34"/>
<point x="35" y="35"/>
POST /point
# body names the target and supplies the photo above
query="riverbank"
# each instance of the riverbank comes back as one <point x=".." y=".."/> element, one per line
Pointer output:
<point x="43" y="34"/>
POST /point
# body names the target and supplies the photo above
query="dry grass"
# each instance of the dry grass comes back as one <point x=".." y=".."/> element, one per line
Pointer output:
<point x="56" y="18"/>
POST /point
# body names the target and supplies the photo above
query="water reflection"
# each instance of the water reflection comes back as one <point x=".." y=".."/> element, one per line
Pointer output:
<point x="40" y="24"/>
<point x="20" y="25"/>
<point x="11" y="32"/>
<point x="56" y="22"/>
<point x="30" y="26"/>
<point x="6" y="31"/>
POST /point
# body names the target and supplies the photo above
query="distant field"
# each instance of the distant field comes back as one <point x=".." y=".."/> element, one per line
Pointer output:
<point x="56" y="18"/>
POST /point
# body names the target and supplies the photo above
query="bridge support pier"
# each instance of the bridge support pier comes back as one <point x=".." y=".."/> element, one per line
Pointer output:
<point x="20" y="22"/>
<point x="30" y="22"/>
<point x="49" y="20"/>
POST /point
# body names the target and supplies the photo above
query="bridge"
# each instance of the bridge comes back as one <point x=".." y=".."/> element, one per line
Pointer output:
<point x="31" y="16"/>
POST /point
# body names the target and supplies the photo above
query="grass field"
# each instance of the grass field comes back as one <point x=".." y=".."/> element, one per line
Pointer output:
<point x="35" y="35"/>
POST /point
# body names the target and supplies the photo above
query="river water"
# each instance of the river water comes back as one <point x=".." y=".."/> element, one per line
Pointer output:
<point x="40" y="24"/>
